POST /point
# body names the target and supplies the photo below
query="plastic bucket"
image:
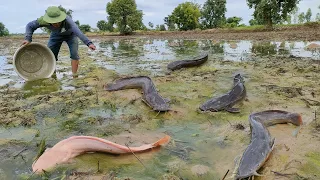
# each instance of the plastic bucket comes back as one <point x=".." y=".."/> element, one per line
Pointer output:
<point x="34" y="61"/>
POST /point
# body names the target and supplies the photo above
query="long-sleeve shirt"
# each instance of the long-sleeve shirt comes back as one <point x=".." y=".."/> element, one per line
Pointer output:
<point x="67" y="28"/>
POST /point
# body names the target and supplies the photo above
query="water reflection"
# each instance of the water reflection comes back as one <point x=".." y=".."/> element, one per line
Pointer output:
<point x="212" y="47"/>
<point x="183" y="47"/>
<point x="128" y="48"/>
<point x="264" y="48"/>
<point x="6" y="71"/>
<point x="237" y="50"/>
<point x="131" y="55"/>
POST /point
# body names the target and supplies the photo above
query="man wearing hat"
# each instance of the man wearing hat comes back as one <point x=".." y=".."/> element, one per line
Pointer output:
<point x="62" y="28"/>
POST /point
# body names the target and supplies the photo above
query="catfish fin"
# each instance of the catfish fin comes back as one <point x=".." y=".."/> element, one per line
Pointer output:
<point x="232" y="110"/>
<point x="167" y="100"/>
<point x="272" y="143"/>
<point x="257" y="174"/>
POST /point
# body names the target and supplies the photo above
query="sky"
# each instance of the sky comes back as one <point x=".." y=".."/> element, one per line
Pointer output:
<point x="15" y="14"/>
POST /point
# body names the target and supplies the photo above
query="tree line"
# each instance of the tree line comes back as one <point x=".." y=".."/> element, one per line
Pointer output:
<point x="124" y="17"/>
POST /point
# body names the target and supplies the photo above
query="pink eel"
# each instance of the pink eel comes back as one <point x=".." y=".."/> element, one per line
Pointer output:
<point x="68" y="149"/>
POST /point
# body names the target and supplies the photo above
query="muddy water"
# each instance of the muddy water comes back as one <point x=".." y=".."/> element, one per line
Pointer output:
<point x="204" y="145"/>
<point x="6" y="71"/>
<point x="123" y="55"/>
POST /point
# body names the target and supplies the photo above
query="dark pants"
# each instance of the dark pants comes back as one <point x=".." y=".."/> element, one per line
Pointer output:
<point x="55" y="43"/>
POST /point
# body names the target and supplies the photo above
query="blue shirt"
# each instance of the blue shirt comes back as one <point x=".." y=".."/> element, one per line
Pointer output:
<point x="67" y="28"/>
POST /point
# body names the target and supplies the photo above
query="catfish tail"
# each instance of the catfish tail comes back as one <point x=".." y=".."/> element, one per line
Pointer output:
<point x="162" y="141"/>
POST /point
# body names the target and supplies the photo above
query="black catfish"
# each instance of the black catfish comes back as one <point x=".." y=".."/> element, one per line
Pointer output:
<point x="195" y="61"/>
<point x="150" y="95"/>
<point x="262" y="143"/>
<point x="227" y="101"/>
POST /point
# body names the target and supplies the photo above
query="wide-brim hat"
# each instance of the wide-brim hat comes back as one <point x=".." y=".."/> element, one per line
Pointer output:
<point x="54" y="15"/>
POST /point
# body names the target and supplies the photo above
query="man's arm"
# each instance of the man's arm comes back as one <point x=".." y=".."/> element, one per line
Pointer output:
<point x="30" y="28"/>
<point x="75" y="29"/>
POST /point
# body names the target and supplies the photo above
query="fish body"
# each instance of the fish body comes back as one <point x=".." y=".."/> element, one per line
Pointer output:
<point x="69" y="148"/>
<point x="150" y="95"/>
<point x="227" y="101"/>
<point x="261" y="144"/>
<point x="195" y="61"/>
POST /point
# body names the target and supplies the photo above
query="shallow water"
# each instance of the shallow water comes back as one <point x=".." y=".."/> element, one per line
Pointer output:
<point x="193" y="144"/>
<point x="6" y="71"/>
<point x="127" y="56"/>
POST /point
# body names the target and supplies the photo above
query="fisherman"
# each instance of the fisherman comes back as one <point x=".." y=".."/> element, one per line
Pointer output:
<point x="62" y="28"/>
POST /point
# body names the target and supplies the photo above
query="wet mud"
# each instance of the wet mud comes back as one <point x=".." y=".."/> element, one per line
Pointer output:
<point x="278" y="75"/>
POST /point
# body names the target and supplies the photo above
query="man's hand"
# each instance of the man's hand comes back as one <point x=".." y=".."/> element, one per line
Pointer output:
<point x="25" y="42"/>
<point x="92" y="47"/>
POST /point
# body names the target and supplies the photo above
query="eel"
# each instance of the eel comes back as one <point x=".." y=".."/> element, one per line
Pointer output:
<point x="227" y="101"/>
<point x="262" y="144"/>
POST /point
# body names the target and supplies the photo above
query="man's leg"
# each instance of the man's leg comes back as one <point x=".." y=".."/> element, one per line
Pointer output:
<point x="73" y="44"/>
<point x="54" y="44"/>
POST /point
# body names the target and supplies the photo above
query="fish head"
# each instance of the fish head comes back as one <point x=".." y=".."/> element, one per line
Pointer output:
<point x="157" y="102"/>
<point x="247" y="169"/>
<point x="243" y="176"/>
<point x="214" y="105"/>
<point x="208" y="107"/>
<point x="238" y="79"/>
<point x="49" y="159"/>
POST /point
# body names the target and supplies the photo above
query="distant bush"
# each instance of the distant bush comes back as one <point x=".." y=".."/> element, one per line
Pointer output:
<point x="3" y="30"/>
<point x="312" y="24"/>
<point x="85" y="28"/>
<point x="230" y="25"/>
<point x="162" y="27"/>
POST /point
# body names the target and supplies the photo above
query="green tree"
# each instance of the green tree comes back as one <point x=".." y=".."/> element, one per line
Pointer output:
<point x="157" y="27"/>
<point x="234" y="21"/>
<point x="169" y="24"/>
<point x="272" y="11"/>
<point x="301" y="18"/>
<point x="68" y="12"/>
<point x="289" y="19"/>
<point x="125" y="15"/>
<point x="77" y="23"/>
<point x="143" y="27"/>
<point x="295" y="13"/>
<point x="85" y="28"/>
<point x="162" y="27"/>
<point x="103" y="25"/>
<point x="186" y="16"/>
<point x="3" y="30"/>
<point x="213" y="13"/>
<point x="308" y="15"/>
<point x="318" y="15"/>
<point x="254" y="22"/>
<point x="151" y="25"/>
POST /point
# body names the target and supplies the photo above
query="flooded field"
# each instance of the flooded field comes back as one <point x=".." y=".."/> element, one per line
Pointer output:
<point x="204" y="145"/>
